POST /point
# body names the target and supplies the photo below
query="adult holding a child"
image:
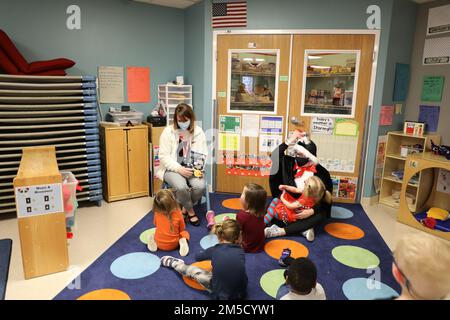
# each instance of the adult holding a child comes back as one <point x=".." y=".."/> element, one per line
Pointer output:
<point x="181" y="147"/>
<point x="301" y="189"/>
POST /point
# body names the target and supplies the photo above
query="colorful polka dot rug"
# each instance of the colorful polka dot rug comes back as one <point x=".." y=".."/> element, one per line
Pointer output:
<point x="353" y="261"/>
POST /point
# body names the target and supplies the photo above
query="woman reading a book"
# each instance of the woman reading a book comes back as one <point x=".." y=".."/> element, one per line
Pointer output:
<point x="182" y="154"/>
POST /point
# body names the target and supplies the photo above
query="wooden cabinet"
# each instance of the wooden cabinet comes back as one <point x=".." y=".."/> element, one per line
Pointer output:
<point x="125" y="162"/>
<point x="394" y="162"/>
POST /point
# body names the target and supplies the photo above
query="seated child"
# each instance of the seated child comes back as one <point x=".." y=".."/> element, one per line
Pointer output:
<point x="286" y="208"/>
<point x="421" y="267"/>
<point x="251" y="218"/>
<point x="228" y="278"/>
<point x="301" y="281"/>
<point x="169" y="222"/>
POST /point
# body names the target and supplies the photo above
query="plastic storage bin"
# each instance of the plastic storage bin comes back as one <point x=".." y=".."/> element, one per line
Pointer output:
<point x="122" y="117"/>
<point x="69" y="190"/>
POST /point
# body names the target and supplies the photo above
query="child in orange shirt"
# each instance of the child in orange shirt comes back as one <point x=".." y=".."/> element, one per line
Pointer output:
<point x="170" y="227"/>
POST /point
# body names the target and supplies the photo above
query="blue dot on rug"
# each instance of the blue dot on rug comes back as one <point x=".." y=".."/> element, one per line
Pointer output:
<point x="209" y="241"/>
<point x="367" y="289"/>
<point x="340" y="213"/>
<point x="135" y="265"/>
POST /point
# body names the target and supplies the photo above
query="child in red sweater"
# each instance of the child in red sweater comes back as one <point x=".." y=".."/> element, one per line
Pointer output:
<point x="251" y="218"/>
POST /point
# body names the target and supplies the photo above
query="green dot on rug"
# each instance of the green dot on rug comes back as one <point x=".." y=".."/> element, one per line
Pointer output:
<point x="355" y="257"/>
<point x="144" y="235"/>
<point x="271" y="281"/>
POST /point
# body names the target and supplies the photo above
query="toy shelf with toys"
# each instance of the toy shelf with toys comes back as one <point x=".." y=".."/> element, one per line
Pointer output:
<point x="399" y="146"/>
<point x="431" y="211"/>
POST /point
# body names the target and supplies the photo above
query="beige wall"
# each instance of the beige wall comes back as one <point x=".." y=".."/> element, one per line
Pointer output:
<point x="418" y="71"/>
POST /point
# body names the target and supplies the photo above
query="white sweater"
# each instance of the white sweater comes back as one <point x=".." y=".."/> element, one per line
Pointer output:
<point x="168" y="145"/>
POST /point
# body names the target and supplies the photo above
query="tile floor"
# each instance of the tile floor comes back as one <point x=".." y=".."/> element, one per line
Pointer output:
<point x="99" y="227"/>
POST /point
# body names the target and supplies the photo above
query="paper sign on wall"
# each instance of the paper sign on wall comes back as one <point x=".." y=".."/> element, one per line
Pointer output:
<point x="267" y="143"/>
<point x="38" y="200"/>
<point x="386" y="115"/>
<point x="429" y="115"/>
<point x="379" y="162"/>
<point x="138" y="84"/>
<point x="443" y="181"/>
<point x="336" y="153"/>
<point x="110" y="84"/>
<point x="250" y="125"/>
<point x="436" y="51"/>
<point x="402" y="72"/>
<point x="230" y="124"/>
<point x="322" y="125"/>
<point x="271" y="124"/>
<point x="438" y="20"/>
<point x="432" y="88"/>
<point x="346" y="127"/>
<point x="229" y="141"/>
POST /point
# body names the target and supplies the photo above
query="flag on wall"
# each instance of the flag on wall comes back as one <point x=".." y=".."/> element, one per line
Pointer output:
<point x="229" y="14"/>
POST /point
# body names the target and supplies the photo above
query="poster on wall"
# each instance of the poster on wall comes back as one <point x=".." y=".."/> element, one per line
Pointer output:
<point x="110" y="84"/>
<point x="438" y="20"/>
<point x="322" y="125"/>
<point x="432" y="88"/>
<point x="250" y="125"/>
<point x="346" y="127"/>
<point x="436" y="51"/>
<point x="430" y="116"/>
<point x="379" y="162"/>
<point x="336" y="153"/>
<point x="229" y="141"/>
<point x="230" y="124"/>
<point x="271" y="124"/>
<point x="138" y="84"/>
<point x="386" y="115"/>
<point x="267" y="143"/>
<point x="402" y="73"/>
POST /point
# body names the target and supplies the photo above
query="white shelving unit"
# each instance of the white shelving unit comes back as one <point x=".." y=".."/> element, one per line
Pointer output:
<point x="171" y="95"/>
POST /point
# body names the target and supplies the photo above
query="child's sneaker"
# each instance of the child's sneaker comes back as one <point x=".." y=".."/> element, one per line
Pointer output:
<point x="284" y="254"/>
<point x="309" y="234"/>
<point x="151" y="245"/>
<point x="170" y="262"/>
<point x="273" y="231"/>
<point x="210" y="219"/>
<point x="184" y="247"/>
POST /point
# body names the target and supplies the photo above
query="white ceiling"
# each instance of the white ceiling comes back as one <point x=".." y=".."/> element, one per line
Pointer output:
<point x="180" y="4"/>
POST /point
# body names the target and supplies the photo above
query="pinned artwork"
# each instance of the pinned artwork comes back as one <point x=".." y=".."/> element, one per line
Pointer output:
<point x="230" y="124"/>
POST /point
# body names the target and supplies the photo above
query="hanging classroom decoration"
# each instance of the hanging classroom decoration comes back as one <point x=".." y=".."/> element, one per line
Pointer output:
<point x="436" y="51"/>
<point x="229" y="14"/>
<point x="438" y="20"/>
<point x="430" y="116"/>
<point x="229" y="141"/>
<point x="110" y="84"/>
<point x="432" y="88"/>
<point x="386" y="115"/>
<point x="322" y="125"/>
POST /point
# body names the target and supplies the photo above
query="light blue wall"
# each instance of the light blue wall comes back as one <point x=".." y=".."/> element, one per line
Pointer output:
<point x="113" y="33"/>
<point x="401" y="39"/>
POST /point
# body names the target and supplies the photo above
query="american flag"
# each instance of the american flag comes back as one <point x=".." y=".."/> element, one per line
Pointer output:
<point x="229" y="14"/>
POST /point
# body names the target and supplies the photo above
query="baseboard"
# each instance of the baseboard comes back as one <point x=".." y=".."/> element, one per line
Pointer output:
<point x="369" y="201"/>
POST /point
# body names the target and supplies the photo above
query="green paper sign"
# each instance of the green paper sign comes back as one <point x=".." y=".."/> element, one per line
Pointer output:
<point x="221" y="94"/>
<point x="230" y="124"/>
<point x="284" y="78"/>
<point x="432" y="88"/>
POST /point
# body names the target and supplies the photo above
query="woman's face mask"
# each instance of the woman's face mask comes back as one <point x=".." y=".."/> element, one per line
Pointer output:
<point x="184" y="125"/>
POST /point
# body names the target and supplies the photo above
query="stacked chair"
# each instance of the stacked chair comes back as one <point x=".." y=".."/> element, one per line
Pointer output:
<point x="50" y="110"/>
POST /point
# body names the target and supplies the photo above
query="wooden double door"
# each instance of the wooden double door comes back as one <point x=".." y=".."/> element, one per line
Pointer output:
<point x="269" y="85"/>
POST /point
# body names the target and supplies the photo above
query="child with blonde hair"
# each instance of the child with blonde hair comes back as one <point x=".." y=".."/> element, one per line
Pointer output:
<point x="228" y="278"/>
<point x="169" y="222"/>
<point x="421" y="267"/>
<point x="251" y="218"/>
<point x="287" y="207"/>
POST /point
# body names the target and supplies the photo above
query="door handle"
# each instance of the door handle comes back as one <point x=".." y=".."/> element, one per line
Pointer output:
<point x="295" y="121"/>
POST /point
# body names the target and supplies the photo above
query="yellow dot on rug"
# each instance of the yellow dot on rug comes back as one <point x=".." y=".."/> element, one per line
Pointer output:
<point x="105" y="294"/>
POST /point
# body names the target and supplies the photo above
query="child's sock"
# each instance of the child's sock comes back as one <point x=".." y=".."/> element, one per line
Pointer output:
<point x="184" y="247"/>
<point x="271" y="213"/>
<point x="151" y="245"/>
<point x="170" y="262"/>
<point x="210" y="219"/>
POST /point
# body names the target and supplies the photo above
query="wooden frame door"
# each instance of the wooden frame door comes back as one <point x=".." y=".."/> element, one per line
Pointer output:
<point x="363" y="45"/>
<point x="278" y="46"/>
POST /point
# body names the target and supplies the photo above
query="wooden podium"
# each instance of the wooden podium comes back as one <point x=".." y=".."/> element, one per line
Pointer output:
<point x="40" y="213"/>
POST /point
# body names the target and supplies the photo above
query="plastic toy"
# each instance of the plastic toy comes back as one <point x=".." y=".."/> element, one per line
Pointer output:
<point x="69" y="189"/>
<point x="441" y="150"/>
<point x="438" y="214"/>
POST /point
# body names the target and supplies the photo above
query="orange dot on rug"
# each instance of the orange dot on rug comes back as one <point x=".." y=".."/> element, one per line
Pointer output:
<point x="344" y="231"/>
<point x="233" y="203"/>
<point x="275" y="247"/>
<point x="105" y="294"/>
<point x="205" y="265"/>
